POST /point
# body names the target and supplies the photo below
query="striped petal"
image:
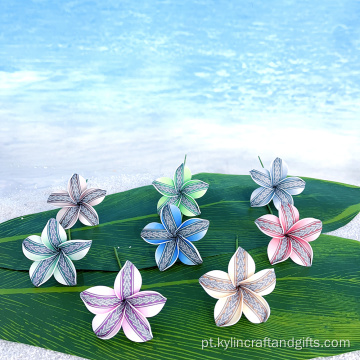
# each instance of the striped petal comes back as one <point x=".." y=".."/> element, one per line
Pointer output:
<point x="181" y="176"/>
<point x="35" y="250"/>
<point x="302" y="252"/>
<point x="166" y="255"/>
<point x="164" y="200"/>
<point x="61" y="198"/>
<point x="217" y="284"/>
<point x="228" y="310"/>
<point x="155" y="234"/>
<point x="53" y="235"/>
<point x="241" y="266"/>
<point x="292" y="185"/>
<point x="41" y="271"/>
<point x="171" y="218"/>
<point x="68" y="216"/>
<point x="261" y="283"/>
<point x="288" y="215"/>
<point x="279" y="250"/>
<point x="88" y="215"/>
<point x="76" y="249"/>
<point x="270" y="225"/>
<point x="195" y="188"/>
<point x="165" y="186"/>
<point x="128" y="281"/>
<point x="255" y="307"/>
<point x="100" y="299"/>
<point x="76" y="186"/>
<point x="261" y="177"/>
<point x="282" y="197"/>
<point x="135" y="325"/>
<point x="278" y="171"/>
<point x="107" y="325"/>
<point x="308" y="229"/>
<point x="149" y="303"/>
<point x="65" y="272"/>
<point x="92" y="196"/>
<point x="193" y="229"/>
<point x="188" y="206"/>
<point x="261" y="196"/>
<point x="188" y="253"/>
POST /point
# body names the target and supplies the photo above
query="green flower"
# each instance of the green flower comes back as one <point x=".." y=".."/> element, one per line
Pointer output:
<point x="182" y="191"/>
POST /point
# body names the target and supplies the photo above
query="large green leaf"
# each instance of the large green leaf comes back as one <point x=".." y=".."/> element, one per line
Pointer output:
<point x="226" y="205"/>
<point x="321" y="302"/>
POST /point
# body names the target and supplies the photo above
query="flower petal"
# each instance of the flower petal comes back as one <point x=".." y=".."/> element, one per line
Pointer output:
<point x="165" y="186"/>
<point x="181" y="176"/>
<point x="292" y="185"/>
<point x="149" y="303"/>
<point x="68" y="216"/>
<point x="261" y="196"/>
<point x="128" y="281"/>
<point x="241" y="266"/>
<point x="193" y="229"/>
<point x="278" y="171"/>
<point x="88" y="215"/>
<point x="171" y="218"/>
<point x="270" y="225"/>
<point x="188" y="206"/>
<point x="195" y="188"/>
<point x="308" y="229"/>
<point x="76" y="249"/>
<point x="288" y="215"/>
<point x="53" y="235"/>
<point x="255" y="307"/>
<point x="61" y="198"/>
<point x="106" y="326"/>
<point x="41" y="271"/>
<point x="135" y="325"/>
<point x="166" y="255"/>
<point x="261" y="283"/>
<point x="282" y="197"/>
<point x="65" y="272"/>
<point x="92" y="196"/>
<point x="76" y="186"/>
<point x="279" y="250"/>
<point x="261" y="177"/>
<point x="35" y="250"/>
<point x="217" y="284"/>
<point x="228" y="310"/>
<point x="155" y="234"/>
<point x="188" y="253"/>
<point x="100" y="299"/>
<point x="302" y="252"/>
<point x="164" y="200"/>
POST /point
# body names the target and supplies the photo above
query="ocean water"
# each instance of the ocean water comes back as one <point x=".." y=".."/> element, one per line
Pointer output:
<point x="110" y="88"/>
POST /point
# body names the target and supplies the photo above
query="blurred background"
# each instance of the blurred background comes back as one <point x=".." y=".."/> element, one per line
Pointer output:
<point x="122" y="90"/>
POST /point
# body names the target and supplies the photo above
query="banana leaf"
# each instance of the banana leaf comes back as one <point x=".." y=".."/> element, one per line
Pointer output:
<point x="320" y="302"/>
<point x="225" y="205"/>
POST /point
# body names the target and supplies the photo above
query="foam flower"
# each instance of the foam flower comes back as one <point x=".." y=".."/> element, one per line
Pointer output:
<point x="275" y="185"/>
<point x="240" y="290"/>
<point x="182" y="191"/>
<point x="290" y="236"/>
<point x="77" y="202"/>
<point x="175" y="239"/>
<point x="53" y="254"/>
<point x="125" y="306"/>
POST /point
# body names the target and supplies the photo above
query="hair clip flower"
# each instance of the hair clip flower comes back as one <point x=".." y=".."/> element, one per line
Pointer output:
<point x="77" y="202"/>
<point x="275" y="185"/>
<point x="240" y="290"/>
<point x="290" y="236"/>
<point x="175" y="238"/>
<point x="124" y="306"/>
<point x="182" y="191"/>
<point x="53" y="254"/>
